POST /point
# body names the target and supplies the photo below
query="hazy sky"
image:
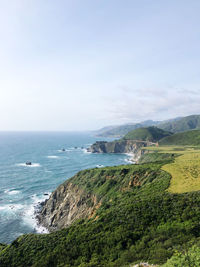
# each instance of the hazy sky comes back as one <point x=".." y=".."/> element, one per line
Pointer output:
<point x="84" y="64"/>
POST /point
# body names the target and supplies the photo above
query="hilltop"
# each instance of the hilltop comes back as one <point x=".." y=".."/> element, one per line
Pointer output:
<point x="151" y="134"/>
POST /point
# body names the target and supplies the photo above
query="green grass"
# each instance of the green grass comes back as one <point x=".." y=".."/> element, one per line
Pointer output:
<point x="156" y="156"/>
<point x="185" y="168"/>
<point x="185" y="173"/>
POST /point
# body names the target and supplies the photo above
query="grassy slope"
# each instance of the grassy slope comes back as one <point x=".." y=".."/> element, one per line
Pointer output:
<point x="137" y="220"/>
<point x="155" y="157"/>
<point x="185" y="169"/>
<point x="152" y="134"/>
<point x="185" y="172"/>
<point x="184" y="138"/>
<point x="182" y="124"/>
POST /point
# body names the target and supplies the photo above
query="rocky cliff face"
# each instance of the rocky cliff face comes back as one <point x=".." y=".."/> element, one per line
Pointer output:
<point x="65" y="205"/>
<point x="121" y="146"/>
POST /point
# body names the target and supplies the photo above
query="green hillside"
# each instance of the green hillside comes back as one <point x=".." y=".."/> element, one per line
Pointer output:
<point x="182" y="124"/>
<point x="152" y="134"/>
<point x="175" y="125"/>
<point x="137" y="220"/>
<point x="121" y="130"/>
<point x="184" y="138"/>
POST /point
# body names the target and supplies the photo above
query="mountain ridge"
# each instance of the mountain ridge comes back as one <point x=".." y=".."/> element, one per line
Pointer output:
<point x="177" y="124"/>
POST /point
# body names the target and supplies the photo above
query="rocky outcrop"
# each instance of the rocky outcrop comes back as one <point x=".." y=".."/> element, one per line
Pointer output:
<point x="121" y="146"/>
<point x="65" y="205"/>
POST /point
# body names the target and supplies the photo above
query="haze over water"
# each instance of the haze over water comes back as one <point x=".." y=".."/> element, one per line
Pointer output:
<point x="23" y="187"/>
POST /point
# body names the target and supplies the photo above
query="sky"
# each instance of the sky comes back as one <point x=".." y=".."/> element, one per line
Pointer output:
<point x="76" y="65"/>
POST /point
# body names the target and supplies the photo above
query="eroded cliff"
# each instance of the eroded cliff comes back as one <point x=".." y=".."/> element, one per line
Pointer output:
<point x="81" y="196"/>
<point x="66" y="204"/>
<point x="119" y="146"/>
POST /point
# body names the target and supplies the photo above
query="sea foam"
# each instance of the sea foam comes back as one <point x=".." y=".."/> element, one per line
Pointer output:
<point x="86" y="151"/>
<point x="12" y="191"/>
<point x="30" y="213"/>
<point x="100" y="166"/>
<point x="33" y="165"/>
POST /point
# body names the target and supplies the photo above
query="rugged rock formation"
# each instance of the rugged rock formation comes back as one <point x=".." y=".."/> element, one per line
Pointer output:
<point x="120" y="146"/>
<point x="65" y="205"/>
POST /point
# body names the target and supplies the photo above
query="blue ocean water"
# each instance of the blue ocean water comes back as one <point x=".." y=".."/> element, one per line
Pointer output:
<point x="23" y="187"/>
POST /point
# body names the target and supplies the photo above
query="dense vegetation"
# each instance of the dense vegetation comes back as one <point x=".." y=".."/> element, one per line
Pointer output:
<point x="152" y="134"/>
<point x="137" y="220"/>
<point x="182" y="124"/>
<point x="189" y="257"/>
<point x="184" y="138"/>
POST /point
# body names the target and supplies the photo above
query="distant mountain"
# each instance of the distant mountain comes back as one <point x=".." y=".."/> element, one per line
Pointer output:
<point x="184" y="138"/>
<point x="181" y="124"/>
<point x="105" y="129"/>
<point x="174" y="125"/>
<point x="152" y="134"/>
<point x="121" y="130"/>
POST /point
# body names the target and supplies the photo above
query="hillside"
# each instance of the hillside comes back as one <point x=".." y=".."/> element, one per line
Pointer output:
<point x="174" y="125"/>
<point x="121" y="130"/>
<point x="183" y="138"/>
<point x="182" y="124"/>
<point x="133" y="218"/>
<point x="152" y="134"/>
<point x="184" y="170"/>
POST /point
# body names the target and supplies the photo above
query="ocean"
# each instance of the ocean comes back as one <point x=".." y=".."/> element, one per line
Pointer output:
<point x="23" y="188"/>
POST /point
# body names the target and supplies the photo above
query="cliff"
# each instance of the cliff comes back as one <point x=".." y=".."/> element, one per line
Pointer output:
<point x="81" y="196"/>
<point x="66" y="204"/>
<point x="131" y="142"/>
<point x="121" y="146"/>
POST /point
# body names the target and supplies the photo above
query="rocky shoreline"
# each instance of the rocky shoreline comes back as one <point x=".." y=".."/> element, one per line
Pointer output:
<point x="132" y="147"/>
